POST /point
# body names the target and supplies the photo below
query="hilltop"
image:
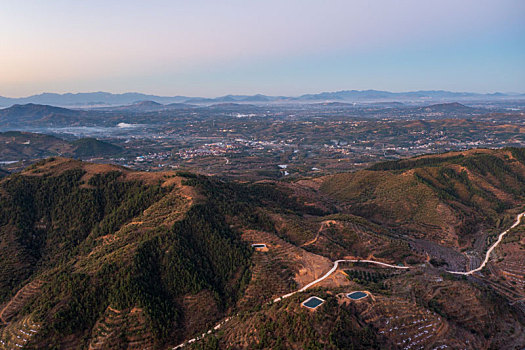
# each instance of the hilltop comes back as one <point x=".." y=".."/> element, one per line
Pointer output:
<point x="94" y="239"/>
<point x="37" y="114"/>
<point x="455" y="200"/>
<point x="91" y="147"/>
<point x="17" y="145"/>
<point x="33" y="111"/>
<point x="447" y="110"/>
<point x="100" y="256"/>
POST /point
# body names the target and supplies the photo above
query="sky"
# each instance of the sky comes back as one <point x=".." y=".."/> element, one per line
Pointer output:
<point x="274" y="47"/>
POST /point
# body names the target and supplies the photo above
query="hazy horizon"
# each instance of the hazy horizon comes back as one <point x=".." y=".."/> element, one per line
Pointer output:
<point x="210" y="49"/>
<point x="254" y="94"/>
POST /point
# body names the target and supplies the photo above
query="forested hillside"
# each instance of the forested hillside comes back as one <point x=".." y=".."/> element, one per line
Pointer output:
<point x="98" y="256"/>
<point x="90" y="147"/>
<point x="18" y="145"/>
<point x="450" y="199"/>
<point x="100" y="238"/>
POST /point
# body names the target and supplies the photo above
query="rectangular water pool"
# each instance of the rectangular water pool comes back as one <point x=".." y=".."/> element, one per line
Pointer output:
<point x="313" y="302"/>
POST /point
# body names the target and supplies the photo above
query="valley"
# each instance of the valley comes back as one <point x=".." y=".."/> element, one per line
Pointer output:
<point x="262" y="175"/>
<point x="257" y="141"/>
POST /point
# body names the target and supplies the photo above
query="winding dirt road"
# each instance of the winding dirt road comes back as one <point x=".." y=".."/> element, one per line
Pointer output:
<point x="332" y="270"/>
<point x="487" y="255"/>
<point x="336" y="265"/>
<point x="326" y="275"/>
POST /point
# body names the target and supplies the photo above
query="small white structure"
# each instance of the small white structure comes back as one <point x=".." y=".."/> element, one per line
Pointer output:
<point x="260" y="247"/>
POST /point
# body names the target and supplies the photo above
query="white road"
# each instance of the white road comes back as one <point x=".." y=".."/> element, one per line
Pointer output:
<point x="487" y="255"/>
<point x="332" y="270"/>
<point x="336" y="265"/>
<point x="326" y="275"/>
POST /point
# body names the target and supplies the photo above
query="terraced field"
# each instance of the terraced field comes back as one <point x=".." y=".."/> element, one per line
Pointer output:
<point x="17" y="334"/>
<point x="156" y="260"/>
<point x="513" y="269"/>
<point x="120" y="245"/>
<point x="284" y="268"/>
<point x="346" y="237"/>
<point x="406" y="325"/>
<point x="19" y="300"/>
<point x="508" y="267"/>
<point x="121" y="328"/>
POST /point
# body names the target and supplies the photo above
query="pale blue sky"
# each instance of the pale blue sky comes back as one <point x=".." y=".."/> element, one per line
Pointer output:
<point x="277" y="47"/>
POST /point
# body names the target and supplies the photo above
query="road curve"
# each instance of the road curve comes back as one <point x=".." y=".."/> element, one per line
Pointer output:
<point x="336" y="265"/>
<point x="487" y="255"/>
<point x="332" y="270"/>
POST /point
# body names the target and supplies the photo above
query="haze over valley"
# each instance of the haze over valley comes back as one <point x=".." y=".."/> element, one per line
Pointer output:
<point x="262" y="175"/>
<point x="257" y="140"/>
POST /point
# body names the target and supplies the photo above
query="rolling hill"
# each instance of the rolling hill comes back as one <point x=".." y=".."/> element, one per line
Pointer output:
<point x="99" y="256"/>
<point x="91" y="147"/>
<point x="100" y="239"/>
<point x="43" y="115"/>
<point x="448" y="199"/>
<point x="17" y="145"/>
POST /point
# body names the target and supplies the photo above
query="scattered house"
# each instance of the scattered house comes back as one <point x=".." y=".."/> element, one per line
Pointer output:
<point x="260" y="247"/>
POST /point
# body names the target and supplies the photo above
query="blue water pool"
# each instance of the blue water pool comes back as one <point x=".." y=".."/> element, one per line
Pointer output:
<point x="356" y="295"/>
<point x="313" y="302"/>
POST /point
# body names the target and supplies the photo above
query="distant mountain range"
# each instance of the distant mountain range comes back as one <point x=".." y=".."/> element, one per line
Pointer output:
<point x="101" y="99"/>
<point x="36" y="115"/>
<point x="146" y="106"/>
<point x="90" y="99"/>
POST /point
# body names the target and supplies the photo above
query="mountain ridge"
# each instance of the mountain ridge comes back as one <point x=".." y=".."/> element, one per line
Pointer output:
<point x="100" y="256"/>
<point x="17" y="146"/>
<point x="94" y="99"/>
